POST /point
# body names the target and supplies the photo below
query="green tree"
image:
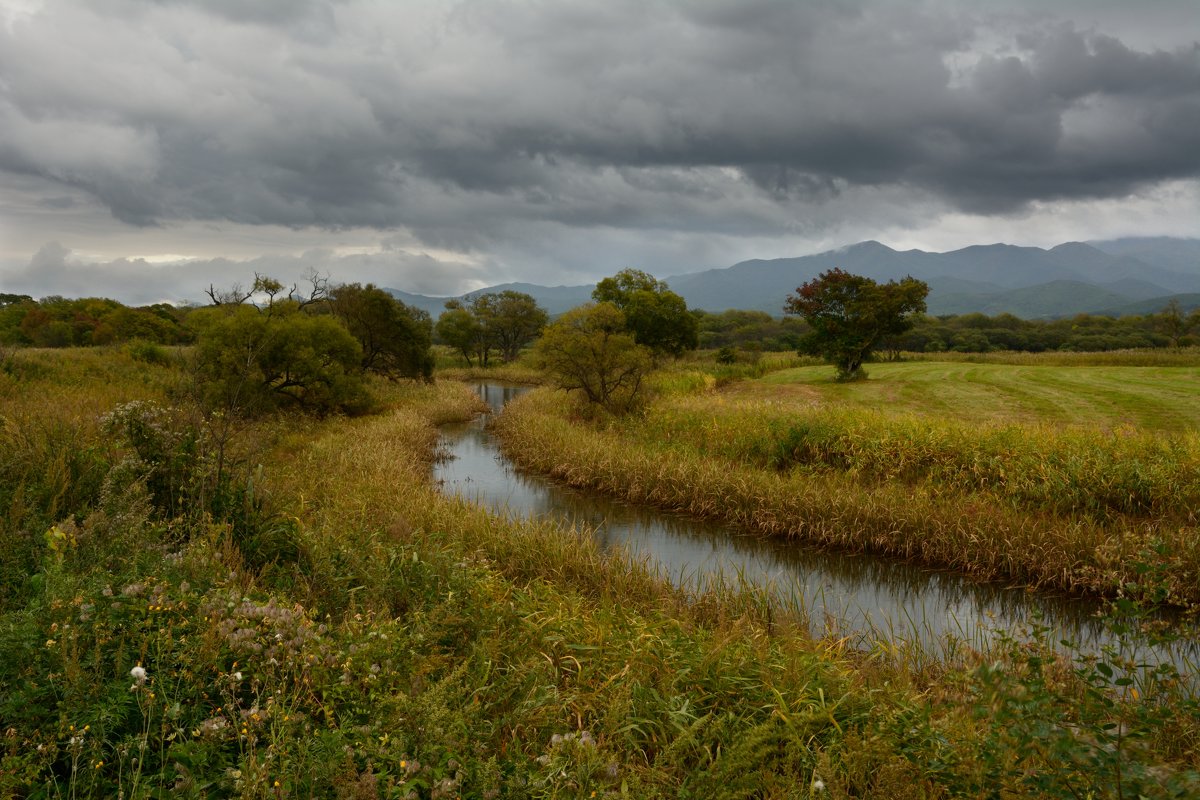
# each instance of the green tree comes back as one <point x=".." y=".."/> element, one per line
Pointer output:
<point x="251" y="360"/>
<point x="395" y="338"/>
<point x="510" y="320"/>
<point x="589" y="350"/>
<point x="460" y="329"/>
<point x="657" y="317"/>
<point x="849" y="314"/>
<point x="504" y="321"/>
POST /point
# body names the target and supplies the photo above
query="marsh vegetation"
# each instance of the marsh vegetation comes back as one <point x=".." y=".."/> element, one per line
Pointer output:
<point x="314" y="618"/>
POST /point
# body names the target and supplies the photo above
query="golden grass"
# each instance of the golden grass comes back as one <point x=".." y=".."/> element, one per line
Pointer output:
<point x="976" y="532"/>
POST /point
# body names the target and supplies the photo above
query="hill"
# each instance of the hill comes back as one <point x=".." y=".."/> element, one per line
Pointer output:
<point x="1032" y="282"/>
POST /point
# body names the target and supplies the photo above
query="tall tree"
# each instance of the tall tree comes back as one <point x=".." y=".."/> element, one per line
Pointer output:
<point x="395" y="338"/>
<point x="657" y="317"/>
<point x="511" y="320"/>
<point x="849" y="314"/>
<point x="460" y="329"/>
<point x="505" y="321"/>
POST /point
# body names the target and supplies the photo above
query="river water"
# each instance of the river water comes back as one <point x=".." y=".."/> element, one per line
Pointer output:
<point x="844" y="593"/>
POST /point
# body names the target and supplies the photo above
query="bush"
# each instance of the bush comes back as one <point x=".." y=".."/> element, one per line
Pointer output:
<point x="588" y="351"/>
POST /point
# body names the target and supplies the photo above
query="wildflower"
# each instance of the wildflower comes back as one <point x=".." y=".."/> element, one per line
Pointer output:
<point x="138" y="674"/>
<point x="237" y="676"/>
<point x="818" y="785"/>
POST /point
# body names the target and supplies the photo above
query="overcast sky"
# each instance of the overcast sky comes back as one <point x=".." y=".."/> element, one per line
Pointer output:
<point x="150" y="148"/>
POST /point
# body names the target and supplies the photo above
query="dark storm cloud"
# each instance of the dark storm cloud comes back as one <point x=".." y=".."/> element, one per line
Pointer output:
<point x="465" y="122"/>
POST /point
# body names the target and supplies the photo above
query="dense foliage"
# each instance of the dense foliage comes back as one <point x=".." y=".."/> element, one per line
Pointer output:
<point x="979" y="333"/>
<point x="848" y="315"/>
<point x="252" y="360"/>
<point x="59" y="322"/>
<point x="588" y="350"/>
<point x="395" y="338"/>
<point x="748" y="331"/>
<point x="506" y="321"/>
<point x="657" y="317"/>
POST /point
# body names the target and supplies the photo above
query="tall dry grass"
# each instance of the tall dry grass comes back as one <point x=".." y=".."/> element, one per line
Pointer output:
<point x="1036" y="466"/>
<point x="979" y="532"/>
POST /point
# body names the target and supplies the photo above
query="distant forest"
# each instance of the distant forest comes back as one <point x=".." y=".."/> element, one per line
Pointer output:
<point x="60" y="322"/>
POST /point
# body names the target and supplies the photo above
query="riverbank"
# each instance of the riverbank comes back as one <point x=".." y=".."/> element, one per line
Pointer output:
<point x="1044" y="505"/>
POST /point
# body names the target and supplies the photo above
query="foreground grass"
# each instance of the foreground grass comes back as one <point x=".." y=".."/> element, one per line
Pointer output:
<point x="346" y="631"/>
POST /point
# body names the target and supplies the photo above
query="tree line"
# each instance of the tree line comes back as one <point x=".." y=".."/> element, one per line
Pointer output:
<point x="750" y="331"/>
<point x="268" y="346"/>
<point x="489" y="326"/>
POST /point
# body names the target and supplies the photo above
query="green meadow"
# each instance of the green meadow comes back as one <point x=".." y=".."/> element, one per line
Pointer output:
<point x="309" y="617"/>
<point x="1146" y="398"/>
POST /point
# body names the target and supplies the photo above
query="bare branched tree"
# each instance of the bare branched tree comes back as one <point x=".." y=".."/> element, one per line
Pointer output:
<point x="318" y="291"/>
<point x="234" y="296"/>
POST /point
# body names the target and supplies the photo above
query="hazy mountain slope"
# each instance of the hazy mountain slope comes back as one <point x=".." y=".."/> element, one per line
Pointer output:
<point x="1071" y="278"/>
<point x="1188" y="302"/>
<point x="1051" y="299"/>
<point x="1181" y="257"/>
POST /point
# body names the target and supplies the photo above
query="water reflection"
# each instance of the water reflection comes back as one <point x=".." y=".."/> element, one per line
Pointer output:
<point x="856" y="593"/>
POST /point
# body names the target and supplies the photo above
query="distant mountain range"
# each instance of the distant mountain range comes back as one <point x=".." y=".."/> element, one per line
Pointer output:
<point x="1115" y="277"/>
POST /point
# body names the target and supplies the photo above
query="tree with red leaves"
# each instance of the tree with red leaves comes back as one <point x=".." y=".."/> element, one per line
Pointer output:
<point x="848" y="315"/>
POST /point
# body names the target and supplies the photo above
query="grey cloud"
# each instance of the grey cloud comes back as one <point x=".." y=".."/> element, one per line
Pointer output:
<point x="59" y="202"/>
<point x="468" y="123"/>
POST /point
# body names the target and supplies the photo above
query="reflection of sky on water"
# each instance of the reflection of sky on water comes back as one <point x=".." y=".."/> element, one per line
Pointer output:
<point x="860" y="592"/>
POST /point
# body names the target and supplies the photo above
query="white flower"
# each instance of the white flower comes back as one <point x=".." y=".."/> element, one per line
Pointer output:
<point x="818" y="785"/>
<point x="237" y="676"/>
<point x="139" y="675"/>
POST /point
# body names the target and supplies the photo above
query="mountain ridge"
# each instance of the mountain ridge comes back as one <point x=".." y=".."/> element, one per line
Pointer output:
<point x="1099" y="277"/>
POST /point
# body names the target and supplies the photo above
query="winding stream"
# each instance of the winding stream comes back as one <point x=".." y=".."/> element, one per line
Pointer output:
<point x="847" y="593"/>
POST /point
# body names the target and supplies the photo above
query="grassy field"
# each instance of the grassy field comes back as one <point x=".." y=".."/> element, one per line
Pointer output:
<point x="1145" y="398"/>
<point x="321" y="622"/>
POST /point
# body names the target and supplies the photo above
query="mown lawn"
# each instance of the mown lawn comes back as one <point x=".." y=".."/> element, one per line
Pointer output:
<point x="1148" y="398"/>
